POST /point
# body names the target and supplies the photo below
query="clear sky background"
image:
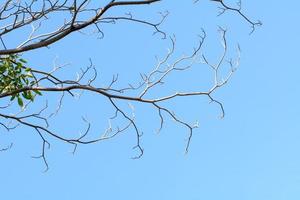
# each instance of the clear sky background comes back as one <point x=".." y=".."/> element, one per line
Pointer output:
<point x="253" y="153"/>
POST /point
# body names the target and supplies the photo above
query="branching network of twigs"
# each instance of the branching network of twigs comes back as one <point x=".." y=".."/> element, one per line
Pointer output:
<point x="80" y="14"/>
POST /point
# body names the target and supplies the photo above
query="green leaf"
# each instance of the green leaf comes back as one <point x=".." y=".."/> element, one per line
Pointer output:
<point x="27" y="69"/>
<point x="38" y="92"/>
<point x="12" y="97"/>
<point x="29" y="75"/>
<point x="20" y="102"/>
<point x="22" y="60"/>
<point x="27" y="95"/>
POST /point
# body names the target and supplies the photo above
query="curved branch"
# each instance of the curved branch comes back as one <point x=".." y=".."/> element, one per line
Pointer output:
<point x="72" y="27"/>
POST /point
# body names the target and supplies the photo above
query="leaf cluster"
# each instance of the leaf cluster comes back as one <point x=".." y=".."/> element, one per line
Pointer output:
<point x="14" y="75"/>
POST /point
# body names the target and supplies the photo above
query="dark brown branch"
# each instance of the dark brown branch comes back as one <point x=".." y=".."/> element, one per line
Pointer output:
<point x="73" y="27"/>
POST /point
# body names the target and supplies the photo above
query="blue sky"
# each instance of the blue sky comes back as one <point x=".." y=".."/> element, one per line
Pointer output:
<point x="252" y="153"/>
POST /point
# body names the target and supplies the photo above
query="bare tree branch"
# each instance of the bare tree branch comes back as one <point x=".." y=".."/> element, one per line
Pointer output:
<point x="80" y="14"/>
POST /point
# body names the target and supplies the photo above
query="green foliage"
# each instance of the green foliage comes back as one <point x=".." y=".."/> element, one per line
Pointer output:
<point x="14" y="76"/>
